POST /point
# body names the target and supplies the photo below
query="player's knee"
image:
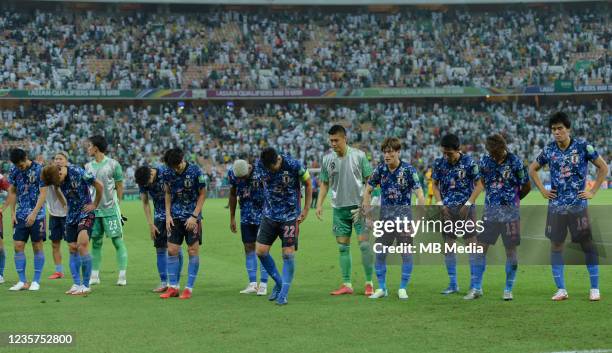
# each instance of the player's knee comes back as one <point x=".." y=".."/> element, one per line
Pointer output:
<point x="19" y="246"/>
<point x="56" y="244"/>
<point x="249" y="248"/>
<point x="37" y="246"/>
<point x="193" y="251"/>
<point x="72" y="247"/>
<point x="97" y="243"/>
<point x="344" y="248"/>
<point x="288" y="251"/>
<point x="556" y="247"/>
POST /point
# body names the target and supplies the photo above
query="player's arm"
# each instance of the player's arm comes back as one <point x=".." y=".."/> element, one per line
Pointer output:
<point x="233" y="200"/>
<point x="367" y="196"/>
<point x="436" y="191"/>
<point x="323" y="189"/>
<point x="119" y="188"/>
<point x="602" y="172"/>
<point x="42" y="196"/>
<point x="60" y="196"/>
<point x="168" y="204"/>
<point x="144" y="197"/>
<point x="308" y="199"/>
<point x="420" y="196"/>
<point x="191" y="222"/>
<point x="13" y="197"/>
<point x="534" y="167"/>
<point x="99" y="189"/>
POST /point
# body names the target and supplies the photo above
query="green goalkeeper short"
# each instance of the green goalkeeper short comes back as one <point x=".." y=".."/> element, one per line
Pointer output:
<point x="110" y="225"/>
<point x="343" y="222"/>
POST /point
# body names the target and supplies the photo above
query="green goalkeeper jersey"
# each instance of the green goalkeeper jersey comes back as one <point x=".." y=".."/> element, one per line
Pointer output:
<point x="345" y="176"/>
<point x="108" y="172"/>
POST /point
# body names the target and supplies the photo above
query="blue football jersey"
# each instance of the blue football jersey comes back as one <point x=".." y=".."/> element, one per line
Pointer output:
<point x="502" y="186"/>
<point x="184" y="190"/>
<point x="568" y="171"/>
<point x="27" y="184"/>
<point x="282" y="190"/>
<point x="250" y="196"/>
<point x="157" y="193"/>
<point x="455" y="181"/>
<point x="76" y="191"/>
<point x="396" y="188"/>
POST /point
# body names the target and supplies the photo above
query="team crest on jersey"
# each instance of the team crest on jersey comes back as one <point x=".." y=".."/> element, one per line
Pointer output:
<point x="461" y="174"/>
<point x="506" y="173"/>
<point x="574" y="158"/>
<point x="32" y="177"/>
<point x="400" y="178"/>
<point x="286" y="178"/>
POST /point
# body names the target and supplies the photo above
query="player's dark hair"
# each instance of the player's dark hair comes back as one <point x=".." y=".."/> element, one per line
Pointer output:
<point x="142" y="175"/>
<point x="269" y="157"/>
<point x="450" y="141"/>
<point x="173" y="157"/>
<point x="496" y="143"/>
<point x="391" y="142"/>
<point x="559" y="118"/>
<point x="99" y="142"/>
<point x="18" y="155"/>
<point x="337" y="129"/>
<point x="50" y="175"/>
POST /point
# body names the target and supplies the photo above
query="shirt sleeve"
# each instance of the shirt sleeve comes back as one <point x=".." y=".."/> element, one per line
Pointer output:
<point x="416" y="181"/>
<point x="543" y="158"/>
<point x="231" y="178"/>
<point x="118" y="172"/>
<point x="435" y="171"/>
<point x="591" y="152"/>
<point x="366" y="168"/>
<point x="324" y="177"/>
<point x="474" y="170"/>
<point x="374" y="180"/>
<point x="87" y="177"/>
<point x="201" y="179"/>
<point x="11" y="177"/>
<point x="521" y="172"/>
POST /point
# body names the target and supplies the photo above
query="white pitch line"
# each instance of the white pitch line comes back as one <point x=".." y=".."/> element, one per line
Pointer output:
<point x="588" y="351"/>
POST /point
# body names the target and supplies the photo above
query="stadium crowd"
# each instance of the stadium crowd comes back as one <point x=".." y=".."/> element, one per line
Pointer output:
<point x="255" y="49"/>
<point x="216" y="134"/>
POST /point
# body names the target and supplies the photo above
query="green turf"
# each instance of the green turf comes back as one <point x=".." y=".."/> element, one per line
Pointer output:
<point x="218" y="319"/>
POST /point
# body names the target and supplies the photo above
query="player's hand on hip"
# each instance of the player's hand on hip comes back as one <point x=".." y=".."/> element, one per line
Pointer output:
<point x="319" y="213"/>
<point x="89" y="208"/>
<point x="154" y="231"/>
<point x="30" y="220"/>
<point x="549" y="194"/>
<point x="586" y="194"/>
<point x="233" y="225"/>
<point x="169" y="223"/>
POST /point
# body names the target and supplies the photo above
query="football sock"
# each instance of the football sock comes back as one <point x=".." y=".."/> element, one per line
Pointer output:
<point x="346" y="263"/>
<point x="556" y="261"/>
<point x="96" y="253"/>
<point x="367" y="258"/>
<point x="122" y="254"/>
<point x="39" y="263"/>
<point x="268" y="263"/>
<point x="288" y="270"/>
<point x="75" y="267"/>
<point x="251" y="266"/>
<point x="86" y="264"/>
<point x="192" y="269"/>
<point x="2" y="261"/>
<point x="381" y="270"/>
<point x="450" y="260"/>
<point x="511" y="267"/>
<point x="162" y="264"/>
<point x="20" y="264"/>
<point x="407" y="262"/>
<point x="173" y="270"/>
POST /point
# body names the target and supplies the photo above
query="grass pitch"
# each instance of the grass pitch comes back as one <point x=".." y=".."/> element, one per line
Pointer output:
<point x="218" y="319"/>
